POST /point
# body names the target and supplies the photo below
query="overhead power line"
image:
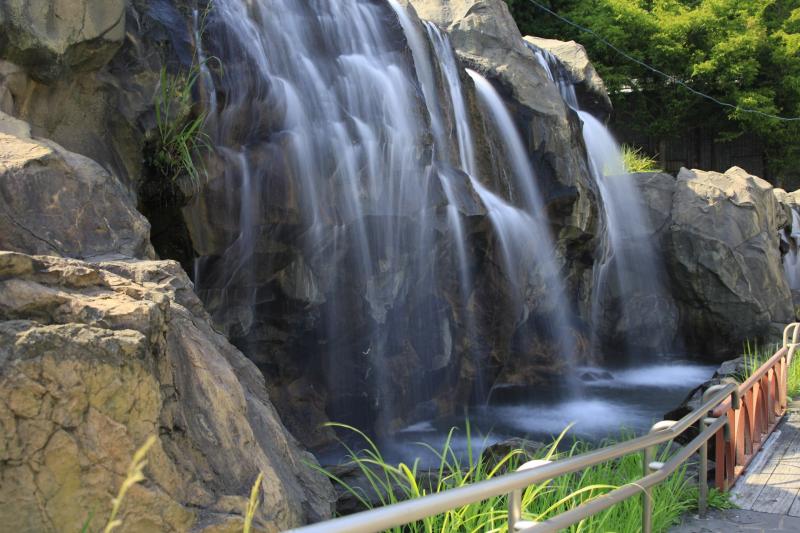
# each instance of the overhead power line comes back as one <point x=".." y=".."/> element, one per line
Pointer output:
<point x="659" y="72"/>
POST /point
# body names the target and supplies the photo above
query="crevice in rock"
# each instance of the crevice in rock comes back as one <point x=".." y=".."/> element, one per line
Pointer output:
<point x="161" y="203"/>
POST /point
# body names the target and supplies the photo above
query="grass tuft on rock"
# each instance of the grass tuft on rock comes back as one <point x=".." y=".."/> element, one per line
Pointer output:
<point x="636" y="160"/>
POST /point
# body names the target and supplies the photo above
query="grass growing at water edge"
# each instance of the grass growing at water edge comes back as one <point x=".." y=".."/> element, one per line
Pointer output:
<point x="390" y="483"/>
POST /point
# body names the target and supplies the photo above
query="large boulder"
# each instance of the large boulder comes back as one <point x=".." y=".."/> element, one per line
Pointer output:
<point x="720" y="236"/>
<point x="94" y="358"/>
<point x="590" y="89"/>
<point x="56" y="202"/>
<point x="54" y="38"/>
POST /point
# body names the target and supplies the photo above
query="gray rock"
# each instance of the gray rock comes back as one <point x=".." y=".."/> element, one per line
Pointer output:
<point x="725" y="257"/>
<point x="719" y="237"/>
<point x="523" y="449"/>
<point x="52" y="39"/>
<point x="56" y="202"/>
<point x="590" y="89"/>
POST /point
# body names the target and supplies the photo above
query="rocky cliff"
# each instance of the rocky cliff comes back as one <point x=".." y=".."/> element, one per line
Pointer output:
<point x="101" y="346"/>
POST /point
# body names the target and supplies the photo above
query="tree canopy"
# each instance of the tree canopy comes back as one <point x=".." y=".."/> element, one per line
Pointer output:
<point x="744" y="52"/>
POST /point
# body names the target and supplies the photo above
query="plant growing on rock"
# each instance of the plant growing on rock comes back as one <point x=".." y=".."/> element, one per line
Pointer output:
<point x="180" y="138"/>
<point x="636" y="160"/>
<point x="180" y="141"/>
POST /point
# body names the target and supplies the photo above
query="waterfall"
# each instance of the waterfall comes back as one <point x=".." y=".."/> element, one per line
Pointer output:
<point x="325" y="111"/>
<point x="524" y="233"/>
<point x="791" y="261"/>
<point x="347" y="171"/>
<point x="632" y="267"/>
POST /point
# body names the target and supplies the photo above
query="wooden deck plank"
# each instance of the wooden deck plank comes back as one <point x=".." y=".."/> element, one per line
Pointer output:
<point x="748" y="488"/>
<point x="778" y="494"/>
<point x="773" y="484"/>
<point x="794" y="510"/>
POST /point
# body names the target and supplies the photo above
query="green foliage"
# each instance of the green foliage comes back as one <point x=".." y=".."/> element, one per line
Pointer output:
<point x="394" y="483"/>
<point x="755" y="356"/>
<point x="745" y="52"/>
<point x="720" y="500"/>
<point x="180" y="138"/>
<point x="636" y="160"/>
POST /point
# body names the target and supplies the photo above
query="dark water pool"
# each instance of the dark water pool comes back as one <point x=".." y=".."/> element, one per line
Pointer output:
<point x="630" y="402"/>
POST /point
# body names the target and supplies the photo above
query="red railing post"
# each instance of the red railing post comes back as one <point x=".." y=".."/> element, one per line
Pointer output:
<point x="763" y="400"/>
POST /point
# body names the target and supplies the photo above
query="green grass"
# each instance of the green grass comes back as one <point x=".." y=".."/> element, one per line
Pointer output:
<point x="755" y="356"/>
<point x="636" y="160"/>
<point x="180" y="141"/>
<point x="393" y="483"/>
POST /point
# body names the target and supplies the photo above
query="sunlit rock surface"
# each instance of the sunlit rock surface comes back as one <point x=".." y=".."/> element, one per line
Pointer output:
<point x="57" y="202"/>
<point x="591" y="90"/>
<point x="94" y="358"/>
<point x="56" y="38"/>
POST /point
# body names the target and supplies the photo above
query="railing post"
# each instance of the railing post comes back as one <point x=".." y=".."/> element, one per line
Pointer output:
<point x="648" y="456"/>
<point x="514" y="509"/>
<point x="515" y="498"/>
<point x="702" y="475"/>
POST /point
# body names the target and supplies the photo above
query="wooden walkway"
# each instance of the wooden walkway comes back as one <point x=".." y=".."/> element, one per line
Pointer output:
<point x="768" y="496"/>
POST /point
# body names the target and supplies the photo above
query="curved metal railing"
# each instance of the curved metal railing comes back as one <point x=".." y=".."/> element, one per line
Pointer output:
<point x="717" y="416"/>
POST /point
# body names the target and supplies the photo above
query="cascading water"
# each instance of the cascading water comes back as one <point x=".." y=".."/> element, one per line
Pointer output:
<point x="328" y="201"/>
<point x="632" y="269"/>
<point x="791" y="260"/>
<point x="380" y="259"/>
<point x="524" y="238"/>
<point x="319" y="101"/>
<point x="524" y="234"/>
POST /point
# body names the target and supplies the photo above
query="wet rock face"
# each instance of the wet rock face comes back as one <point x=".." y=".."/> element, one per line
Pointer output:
<point x="590" y="89"/>
<point x="282" y="303"/>
<point x="94" y="358"/>
<point x="486" y="39"/>
<point x="719" y="235"/>
<point x="55" y="38"/>
<point x="56" y="202"/>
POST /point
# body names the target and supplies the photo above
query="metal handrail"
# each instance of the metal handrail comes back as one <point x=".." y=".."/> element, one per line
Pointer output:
<point x="727" y="394"/>
<point x="659" y="473"/>
<point x="376" y="520"/>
